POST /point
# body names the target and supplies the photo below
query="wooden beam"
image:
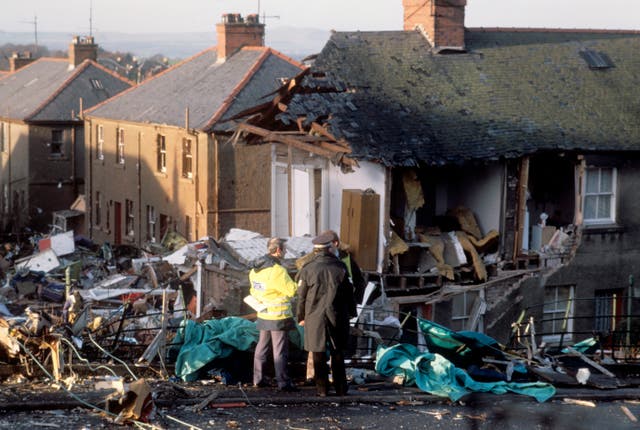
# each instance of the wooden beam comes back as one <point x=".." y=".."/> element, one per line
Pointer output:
<point x="523" y="184"/>
<point x="269" y="136"/>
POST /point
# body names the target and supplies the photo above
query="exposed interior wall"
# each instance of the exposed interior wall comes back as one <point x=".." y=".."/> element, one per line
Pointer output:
<point x="298" y="206"/>
<point x="479" y="189"/>
<point x="367" y="176"/>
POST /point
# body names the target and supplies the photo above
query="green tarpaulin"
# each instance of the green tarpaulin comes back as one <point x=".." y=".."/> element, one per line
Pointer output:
<point x="201" y="343"/>
<point x="436" y="375"/>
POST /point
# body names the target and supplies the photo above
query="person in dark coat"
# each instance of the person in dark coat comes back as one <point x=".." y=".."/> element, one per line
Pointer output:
<point x="325" y="306"/>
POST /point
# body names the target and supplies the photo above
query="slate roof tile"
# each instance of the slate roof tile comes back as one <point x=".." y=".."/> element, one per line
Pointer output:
<point x="204" y="86"/>
<point x="48" y="90"/>
<point x="512" y="93"/>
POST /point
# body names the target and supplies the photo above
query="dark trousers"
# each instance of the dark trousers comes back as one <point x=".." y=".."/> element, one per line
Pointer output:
<point x="338" y="372"/>
<point x="280" y="341"/>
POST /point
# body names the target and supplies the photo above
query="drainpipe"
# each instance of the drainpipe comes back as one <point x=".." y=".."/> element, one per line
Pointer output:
<point x="198" y="288"/>
<point x="629" y="299"/>
<point x="89" y="183"/>
<point x="139" y="178"/>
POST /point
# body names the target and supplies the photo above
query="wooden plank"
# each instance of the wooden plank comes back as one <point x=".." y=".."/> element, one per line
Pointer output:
<point x="269" y="136"/>
<point x="523" y="183"/>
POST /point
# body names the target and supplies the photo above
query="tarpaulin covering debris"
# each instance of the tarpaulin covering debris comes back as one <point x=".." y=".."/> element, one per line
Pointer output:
<point x="202" y="343"/>
<point x="436" y="375"/>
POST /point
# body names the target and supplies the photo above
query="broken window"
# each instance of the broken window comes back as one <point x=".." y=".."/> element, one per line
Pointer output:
<point x="557" y="313"/>
<point x="98" y="210"/>
<point x="461" y="306"/>
<point x="129" y="217"/>
<point x="608" y="304"/>
<point x="161" y="154"/>
<point x="57" y="139"/>
<point x="187" y="159"/>
<point x="151" y="224"/>
<point x="4" y="136"/>
<point x="99" y="142"/>
<point x="599" y="195"/>
<point x="120" y="148"/>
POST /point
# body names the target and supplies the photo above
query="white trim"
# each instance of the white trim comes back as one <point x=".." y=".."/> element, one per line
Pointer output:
<point x="613" y="195"/>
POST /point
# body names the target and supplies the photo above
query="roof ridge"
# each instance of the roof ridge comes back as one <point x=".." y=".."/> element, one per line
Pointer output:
<point x="240" y="85"/>
<point x="175" y="66"/>
<point x="65" y="84"/>
<point x="112" y="73"/>
<point x="551" y="30"/>
<point x="228" y="101"/>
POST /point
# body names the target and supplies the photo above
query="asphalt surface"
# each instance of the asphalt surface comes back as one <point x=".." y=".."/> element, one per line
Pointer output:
<point x="373" y="406"/>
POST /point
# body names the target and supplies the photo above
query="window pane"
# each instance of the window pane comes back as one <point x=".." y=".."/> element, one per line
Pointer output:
<point x="590" y="203"/>
<point x="592" y="181"/>
<point x="457" y="306"/>
<point x="604" y="207"/>
<point x="606" y="180"/>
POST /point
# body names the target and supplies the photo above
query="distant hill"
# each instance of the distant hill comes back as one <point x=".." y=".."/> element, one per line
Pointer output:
<point x="292" y="41"/>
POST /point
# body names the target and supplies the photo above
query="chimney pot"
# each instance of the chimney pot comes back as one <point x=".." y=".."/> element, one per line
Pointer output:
<point x="234" y="33"/>
<point x="82" y="48"/>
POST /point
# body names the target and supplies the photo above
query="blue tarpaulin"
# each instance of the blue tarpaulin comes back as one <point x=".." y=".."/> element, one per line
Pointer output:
<point x="436" y="375"/>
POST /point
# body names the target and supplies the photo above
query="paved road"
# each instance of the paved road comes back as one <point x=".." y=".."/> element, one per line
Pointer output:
<point x="388" y="409"/>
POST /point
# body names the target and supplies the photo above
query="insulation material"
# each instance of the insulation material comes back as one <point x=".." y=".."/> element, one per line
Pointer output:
<point x="478" y="265"/>
<point x="467" y="221"/>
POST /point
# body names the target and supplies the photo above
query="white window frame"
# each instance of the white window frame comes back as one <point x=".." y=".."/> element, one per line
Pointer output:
<point x="120" y="146"/>
<point x="99" y="142"/>
<point x="152" y="219"/>
<point x="187" y="158"/>
<point x="162" y="154"/>
<point x="130" y="218"/>
<point x="467" y="297"/>
<point x="599" y="194"/>
<point x="559" y="307"/>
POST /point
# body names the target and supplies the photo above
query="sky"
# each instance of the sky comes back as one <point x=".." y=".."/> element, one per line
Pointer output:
<point x="149" y="16"/>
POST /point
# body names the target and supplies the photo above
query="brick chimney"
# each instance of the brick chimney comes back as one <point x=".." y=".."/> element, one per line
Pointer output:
<point x="82" y="48"/>
<point x="442" y="21"/>
<point x="20" y="59"/>
<point x="234" y="32"/>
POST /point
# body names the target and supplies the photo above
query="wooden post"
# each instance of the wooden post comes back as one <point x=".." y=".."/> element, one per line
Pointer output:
<point x="523" y="183"/>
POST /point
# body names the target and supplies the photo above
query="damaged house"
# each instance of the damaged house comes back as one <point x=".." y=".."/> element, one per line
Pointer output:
<point x="41" y="130"/>
<point x="490" y="175"/>
<point x="157" y="160"/>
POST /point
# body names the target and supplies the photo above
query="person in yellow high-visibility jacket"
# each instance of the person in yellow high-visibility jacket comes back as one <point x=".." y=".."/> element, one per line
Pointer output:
<point x="272" y="286"/>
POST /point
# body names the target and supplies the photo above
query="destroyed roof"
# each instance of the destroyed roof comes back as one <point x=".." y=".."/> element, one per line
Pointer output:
<point x="399" y="102"/>
<point x="207" y="88"/>
<point x="49" y="90"/>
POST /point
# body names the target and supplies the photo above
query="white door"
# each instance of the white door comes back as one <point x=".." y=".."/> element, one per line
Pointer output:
<point x="302" y="202"/>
